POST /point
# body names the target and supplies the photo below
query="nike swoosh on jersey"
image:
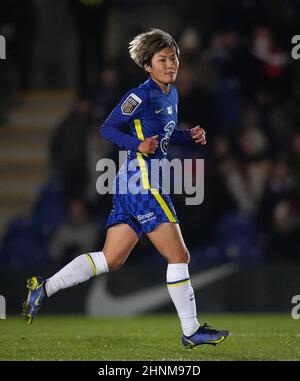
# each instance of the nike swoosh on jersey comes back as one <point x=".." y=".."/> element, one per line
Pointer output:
<point x="100" y="302"/>
<point x="158" y="111"/>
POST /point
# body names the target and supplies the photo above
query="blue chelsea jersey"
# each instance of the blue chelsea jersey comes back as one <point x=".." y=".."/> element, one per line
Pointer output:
<point x="148" y="112"/>
<point x="155" y="114"/>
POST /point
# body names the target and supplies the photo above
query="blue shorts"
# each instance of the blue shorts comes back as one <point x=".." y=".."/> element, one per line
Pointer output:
<point x="143" y="212"/>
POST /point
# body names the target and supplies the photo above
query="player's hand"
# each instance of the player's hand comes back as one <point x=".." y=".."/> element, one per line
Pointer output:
<point x="198" y="134"/>
<point x="149" y="145"/>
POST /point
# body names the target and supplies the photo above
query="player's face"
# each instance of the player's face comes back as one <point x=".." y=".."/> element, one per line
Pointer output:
<point x="164" y="67"/>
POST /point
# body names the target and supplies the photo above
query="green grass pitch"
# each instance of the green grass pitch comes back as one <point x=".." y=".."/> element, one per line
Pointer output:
<point x="153" y="337"/>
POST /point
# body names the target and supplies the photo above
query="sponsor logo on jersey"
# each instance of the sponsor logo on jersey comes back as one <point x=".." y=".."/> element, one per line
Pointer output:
<point x="142" y="218"/>
<point x="130" y="104"/>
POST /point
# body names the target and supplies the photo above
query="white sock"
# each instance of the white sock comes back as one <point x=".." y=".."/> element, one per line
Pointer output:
<point x="182" y="295"/>
<point x="79" y="270"/>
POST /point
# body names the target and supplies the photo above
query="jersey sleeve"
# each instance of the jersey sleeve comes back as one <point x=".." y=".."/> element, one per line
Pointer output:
<point x="128" y="108"/>
<point x="181" y="137"/>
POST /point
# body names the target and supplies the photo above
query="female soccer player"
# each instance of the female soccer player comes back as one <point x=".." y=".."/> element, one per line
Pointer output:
<point x="150" y="112"/>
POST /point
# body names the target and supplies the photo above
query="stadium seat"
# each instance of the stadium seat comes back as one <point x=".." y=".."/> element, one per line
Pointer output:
<point x="48" y="211"/>
<point x="20" y="246"/>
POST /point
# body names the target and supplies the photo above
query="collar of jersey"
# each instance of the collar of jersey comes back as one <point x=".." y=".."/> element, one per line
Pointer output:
<point x="152" y="84"/>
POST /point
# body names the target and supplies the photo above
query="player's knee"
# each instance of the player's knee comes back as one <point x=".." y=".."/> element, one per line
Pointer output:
<point x="185" y="256"/>
<point x="115" y="264"/>
<point x="181" y="256"/>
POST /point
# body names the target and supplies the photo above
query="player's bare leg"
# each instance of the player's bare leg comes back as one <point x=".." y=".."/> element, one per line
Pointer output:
<point x="168" y="240"/>
<point x="120" y="240"/>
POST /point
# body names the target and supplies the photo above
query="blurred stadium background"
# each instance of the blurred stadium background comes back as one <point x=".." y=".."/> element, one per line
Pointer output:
<point x="67" y="65"/>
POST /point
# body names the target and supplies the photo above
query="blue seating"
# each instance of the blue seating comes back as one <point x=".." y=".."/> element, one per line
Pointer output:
<point x="26" y="239"/>
<point x="237" y="236"/>
<point x="48" y="211"/>
<point x="236" y="239"/>
<point x="19" y="245"/>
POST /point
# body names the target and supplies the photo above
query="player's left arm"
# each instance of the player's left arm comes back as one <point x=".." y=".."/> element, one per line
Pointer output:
<point x="198" y="134"/>
<point x="190" y="135"/>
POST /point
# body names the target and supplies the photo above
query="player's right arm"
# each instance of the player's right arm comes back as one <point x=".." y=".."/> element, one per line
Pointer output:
<point x="149" y="145"/>
<point x="127" y="109"/>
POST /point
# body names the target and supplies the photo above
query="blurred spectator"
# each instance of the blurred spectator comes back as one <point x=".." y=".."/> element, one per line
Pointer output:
<point x="280" y="213"/>
<point x="69" y="149"/>
<point x="193" y="59"/>
<point x="79" y="234"/>
<point x="194" y="105"/>
<point x="97" y="149"/>
<point x="282" y="123"/>
<point x="195" y="83"/>
<point x="225" y="58"/>
<point x="271" y="60"/>
<point x="106" y="91"/>
<point x="246" y="172"/>
<point x="295" y="156"/>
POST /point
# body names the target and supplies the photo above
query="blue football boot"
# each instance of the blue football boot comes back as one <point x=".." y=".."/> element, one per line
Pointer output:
<point x="36" y="296"/>
<point x="204" y="335"/>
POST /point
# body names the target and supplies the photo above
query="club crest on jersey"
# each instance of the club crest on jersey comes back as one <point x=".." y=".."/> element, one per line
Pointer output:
<point x="169" y="128"/>
<point x="130" y="104"/>
<point x="170" y="110"/>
